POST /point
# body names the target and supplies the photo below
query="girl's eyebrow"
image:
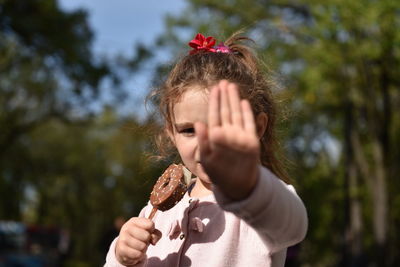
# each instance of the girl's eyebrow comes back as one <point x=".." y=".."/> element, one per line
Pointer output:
<point x="183" y="125"/>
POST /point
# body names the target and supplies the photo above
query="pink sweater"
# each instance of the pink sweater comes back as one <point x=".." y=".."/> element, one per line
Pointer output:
<point x="215" y="231"/>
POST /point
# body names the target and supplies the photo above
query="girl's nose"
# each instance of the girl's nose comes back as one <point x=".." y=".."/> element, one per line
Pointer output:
<point x="197" y="154"/>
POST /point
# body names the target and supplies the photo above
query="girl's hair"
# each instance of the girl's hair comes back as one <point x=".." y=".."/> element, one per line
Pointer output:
<point x="205" y="69"/>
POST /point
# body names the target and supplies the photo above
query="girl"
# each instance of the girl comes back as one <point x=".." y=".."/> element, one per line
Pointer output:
<point x="238" y="211"/>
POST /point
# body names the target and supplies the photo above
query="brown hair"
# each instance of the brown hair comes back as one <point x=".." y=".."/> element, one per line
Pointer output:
<point x="204" y="69"/>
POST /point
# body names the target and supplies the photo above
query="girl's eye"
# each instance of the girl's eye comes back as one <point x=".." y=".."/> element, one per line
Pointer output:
<point x="187" y="131"/>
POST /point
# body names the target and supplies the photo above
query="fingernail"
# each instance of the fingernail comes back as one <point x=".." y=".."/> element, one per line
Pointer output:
<point x="154" y="240"/>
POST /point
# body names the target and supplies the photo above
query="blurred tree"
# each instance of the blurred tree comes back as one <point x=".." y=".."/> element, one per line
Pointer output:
<point x="84" y="176"/>
<point x="46" y="70"/>
<point x="341" y="61"/>
<point x="60" y="163"/>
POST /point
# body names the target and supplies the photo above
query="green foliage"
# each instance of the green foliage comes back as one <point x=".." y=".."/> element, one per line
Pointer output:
<point x="87" y="175"/>
<point x="62" y="40"/>
<point x="60" y="165"/>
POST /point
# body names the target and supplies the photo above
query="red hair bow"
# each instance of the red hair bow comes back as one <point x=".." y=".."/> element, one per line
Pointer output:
<point x="202" y="43"/>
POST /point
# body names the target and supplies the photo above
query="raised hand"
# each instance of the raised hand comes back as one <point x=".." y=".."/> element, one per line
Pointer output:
<point x="229" y="145"/>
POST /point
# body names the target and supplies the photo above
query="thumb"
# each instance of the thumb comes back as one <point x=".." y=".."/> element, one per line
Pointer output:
<point x="202" y="138"/>
<point x="155" y="237"/>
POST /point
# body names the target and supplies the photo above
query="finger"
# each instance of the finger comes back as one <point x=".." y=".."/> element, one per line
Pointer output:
<point x="155" y="237"/>
<point x="136" y="244"/>
<point x="225" y="111"/>
<point x="202" y="138"/>
<point x="129" y="256"/>
<point x="144" y="223"/>
<point x="213" y="108"/>
<point x="234" y="103"/>
<point x="140" y="234"/>
<point x="248" y="117"/>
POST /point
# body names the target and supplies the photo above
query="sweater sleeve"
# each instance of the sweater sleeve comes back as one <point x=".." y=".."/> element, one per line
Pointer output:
<point x="273" y="209"/>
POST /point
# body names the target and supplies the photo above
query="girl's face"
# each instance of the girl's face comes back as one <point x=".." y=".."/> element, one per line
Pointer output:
<point x="192" y="107"/>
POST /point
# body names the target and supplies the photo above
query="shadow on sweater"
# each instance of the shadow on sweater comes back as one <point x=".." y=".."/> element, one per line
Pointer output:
<point x="171" y="260"/>
<point x="213" y="223"/>
<point x="210" y="230"/>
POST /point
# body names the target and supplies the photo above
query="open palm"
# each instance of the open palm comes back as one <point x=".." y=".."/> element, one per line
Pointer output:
<point x="229" y="145"/>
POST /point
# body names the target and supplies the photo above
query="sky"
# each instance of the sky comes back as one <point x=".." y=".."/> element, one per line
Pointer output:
<point x="118" y="25"/>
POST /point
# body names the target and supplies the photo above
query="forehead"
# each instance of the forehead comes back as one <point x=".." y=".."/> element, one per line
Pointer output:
<point x="192" y="106"/>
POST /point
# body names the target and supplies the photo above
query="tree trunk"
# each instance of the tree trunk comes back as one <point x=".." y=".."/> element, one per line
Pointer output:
<point x="380" y="210"/>
<point x="353" y="254"/>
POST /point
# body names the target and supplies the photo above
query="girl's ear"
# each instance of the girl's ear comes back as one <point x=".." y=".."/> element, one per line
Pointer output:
<point x="261" y="124"/>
